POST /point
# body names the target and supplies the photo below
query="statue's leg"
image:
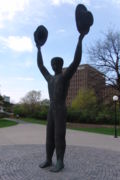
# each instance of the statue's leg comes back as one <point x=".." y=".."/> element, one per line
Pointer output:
<point x="50" y="142"/>
<point x="60" y="143"/>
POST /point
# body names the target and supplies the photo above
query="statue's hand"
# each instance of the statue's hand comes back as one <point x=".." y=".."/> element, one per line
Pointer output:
<point x="82" y="35"/>
<point x="40" y="36"/>
<point x="38" y="46"/>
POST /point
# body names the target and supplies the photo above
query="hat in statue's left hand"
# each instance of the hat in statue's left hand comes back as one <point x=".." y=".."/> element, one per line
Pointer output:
<point x="40" y="35"/>
<point x="84" y="19"/>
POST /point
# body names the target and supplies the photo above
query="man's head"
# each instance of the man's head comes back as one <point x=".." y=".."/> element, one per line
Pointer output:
<point x="57" y="64"/>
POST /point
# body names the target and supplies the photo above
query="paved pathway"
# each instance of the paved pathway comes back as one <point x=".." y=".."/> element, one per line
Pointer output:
<point x="88" y="156"/>
<point x="35" y="134"/>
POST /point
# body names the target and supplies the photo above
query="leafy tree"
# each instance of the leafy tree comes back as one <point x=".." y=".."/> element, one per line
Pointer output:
<point x="86" y="99"/>
<point x="86" y="103"/>
<point x="33" y="97"/>
<point x="31" y="106"/>
<point x="1" y="98"/>
<point x="45" y="102"/>
<point x="31" y="101"/>
<point x="20" y="110"/>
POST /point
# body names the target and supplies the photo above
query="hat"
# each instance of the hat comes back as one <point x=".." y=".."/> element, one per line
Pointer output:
<point x="84" y="19"/>
<point x="40" y="35"/>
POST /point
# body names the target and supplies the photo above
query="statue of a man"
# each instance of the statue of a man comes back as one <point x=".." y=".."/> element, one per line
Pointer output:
<point x="58" y="87"/>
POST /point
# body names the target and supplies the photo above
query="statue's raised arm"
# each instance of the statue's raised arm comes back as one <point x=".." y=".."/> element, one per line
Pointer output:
<point x="76" y="61"/>
<point x="84" y="20"/>
<point x="40" y="37"/>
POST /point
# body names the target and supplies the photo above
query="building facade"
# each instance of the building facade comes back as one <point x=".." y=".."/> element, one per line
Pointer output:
<point x="86" y="77"/>
<point x="108" y="94"/>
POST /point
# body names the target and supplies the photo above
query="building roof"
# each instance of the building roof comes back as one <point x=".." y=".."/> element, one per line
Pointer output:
<point x="82" y="66"/>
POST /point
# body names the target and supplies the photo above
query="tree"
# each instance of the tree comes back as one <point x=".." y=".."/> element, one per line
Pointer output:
<point x="32" y="98"/>
<point x="86" y="103"/>
<point x="31" y="101"/>
<point x="86" y="99"/>
<point x="1" y="98"/>
<point x="105" y="56"/>
<point x="45" y="102"/>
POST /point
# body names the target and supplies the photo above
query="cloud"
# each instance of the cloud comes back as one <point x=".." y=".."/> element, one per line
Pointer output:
<point x="105" y="3"/>
<point x="61" y="31"/>
<point x="59" y="2"/>
<point x="116" y="2"/>
<point x="26" y="64"/>
<point x="27" y="9"/>
<point x="17" y="43"/>
<point x="8" y="9"/>
<point x="96" y="4"/>
<point x="37" y="11"/>
<point x="24" y="78"/>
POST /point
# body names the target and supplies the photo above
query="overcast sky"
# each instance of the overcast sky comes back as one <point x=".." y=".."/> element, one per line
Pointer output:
<point x="19" y="73"/>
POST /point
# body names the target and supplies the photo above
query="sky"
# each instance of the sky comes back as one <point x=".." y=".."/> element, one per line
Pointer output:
<point x="19" y="19"/>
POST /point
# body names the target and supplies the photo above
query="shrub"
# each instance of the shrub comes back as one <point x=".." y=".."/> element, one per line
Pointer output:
<point x="3" y="114"/>
<point x="24" y="110"/>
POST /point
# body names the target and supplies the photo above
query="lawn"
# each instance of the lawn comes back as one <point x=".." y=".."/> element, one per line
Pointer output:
<point x="98" y="130"/>
<point x="6" y="123"/>
<point x="36" y="121"/>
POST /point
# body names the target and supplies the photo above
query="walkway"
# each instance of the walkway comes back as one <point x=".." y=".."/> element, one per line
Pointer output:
<point x="88" y="156"/>
<point x="35" y="134"/>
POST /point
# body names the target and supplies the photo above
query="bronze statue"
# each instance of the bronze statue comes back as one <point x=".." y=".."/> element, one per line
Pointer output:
<point x="58" y="88"/>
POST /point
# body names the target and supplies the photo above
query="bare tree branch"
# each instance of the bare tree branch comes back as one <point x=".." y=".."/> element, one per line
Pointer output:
<point x="105" y="56"/>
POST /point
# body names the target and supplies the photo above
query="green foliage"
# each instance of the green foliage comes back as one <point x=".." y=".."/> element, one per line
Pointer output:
<point x="26" y="110"/>
<point x="3" y="114"/>
<point x="1" y="98"/>
<point x="40" y="112"/>
<point x="86" y="99"/>
<point x="84" y="106"/>
<point x="74" y="116"/>
<point x="105" y="116"/>
<point x="31" y="106"/>
<point x="85" y="109"/>
<point x="32" y="97"/>
<point x="8" y="107"/>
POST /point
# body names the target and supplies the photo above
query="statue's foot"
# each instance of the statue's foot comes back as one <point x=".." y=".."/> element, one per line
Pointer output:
<point x="58" y="167"/>
<point x="45" y="164"/>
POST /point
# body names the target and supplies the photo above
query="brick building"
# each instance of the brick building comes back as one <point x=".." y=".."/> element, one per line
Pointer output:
<point x="86" y="77"/>
<point x="108" y="94"/>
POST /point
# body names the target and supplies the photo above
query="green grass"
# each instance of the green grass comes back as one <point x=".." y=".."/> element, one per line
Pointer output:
<point x="98" y="130"/>
<point x="36" y="121"/>
<point x="6" y="123"/>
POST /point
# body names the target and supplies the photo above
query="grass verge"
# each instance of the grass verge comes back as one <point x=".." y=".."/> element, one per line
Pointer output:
<point x="98" y="130"/>
<point x="36" y="121"/>
<point x="6" y="123"/>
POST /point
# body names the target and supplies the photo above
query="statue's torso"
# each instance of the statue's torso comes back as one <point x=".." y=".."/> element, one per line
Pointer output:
<point x="58" y="88"/>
